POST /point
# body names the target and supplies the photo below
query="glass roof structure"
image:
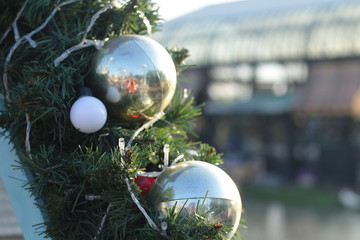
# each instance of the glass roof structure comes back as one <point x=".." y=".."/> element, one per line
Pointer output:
<point x="267" y="30"/>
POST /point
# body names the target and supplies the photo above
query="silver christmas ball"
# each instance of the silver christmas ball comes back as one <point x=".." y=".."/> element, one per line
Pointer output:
<point x="134" y="76"/>
<point x="191" y="184"/>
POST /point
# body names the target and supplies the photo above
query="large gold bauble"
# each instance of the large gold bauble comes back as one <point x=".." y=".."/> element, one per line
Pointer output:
<point x="191" y="185"/>
<point x="134" y="76"/>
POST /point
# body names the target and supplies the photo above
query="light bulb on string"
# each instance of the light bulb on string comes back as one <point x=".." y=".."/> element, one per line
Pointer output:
<point x="88" y="114"/>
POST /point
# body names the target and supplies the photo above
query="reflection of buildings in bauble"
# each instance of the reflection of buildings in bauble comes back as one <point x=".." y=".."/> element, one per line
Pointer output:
<point x="280" y="80"/>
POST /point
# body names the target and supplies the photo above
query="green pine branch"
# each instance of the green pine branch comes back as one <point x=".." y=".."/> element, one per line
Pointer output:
<point x="68" y="165"/>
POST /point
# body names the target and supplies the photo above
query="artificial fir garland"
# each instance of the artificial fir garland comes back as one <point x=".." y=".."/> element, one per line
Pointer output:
<point x="78" y="177"/>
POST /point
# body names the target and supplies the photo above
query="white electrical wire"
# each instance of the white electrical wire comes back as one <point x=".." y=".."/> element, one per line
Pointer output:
<point x="83" y="44"/>
<point x="18" y="41"/>
<point x="14" y="22"/>
<point x="123" y="150"/>
<point x="144" y="126"/>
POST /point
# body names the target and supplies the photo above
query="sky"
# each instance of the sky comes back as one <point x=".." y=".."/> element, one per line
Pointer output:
<point x="170" y="9"/>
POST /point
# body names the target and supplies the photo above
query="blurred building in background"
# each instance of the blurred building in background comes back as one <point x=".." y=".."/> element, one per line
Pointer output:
<point x="281" y="82"/>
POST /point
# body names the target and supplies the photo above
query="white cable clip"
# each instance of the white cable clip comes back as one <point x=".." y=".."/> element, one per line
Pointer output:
<point x="166" y="156"/>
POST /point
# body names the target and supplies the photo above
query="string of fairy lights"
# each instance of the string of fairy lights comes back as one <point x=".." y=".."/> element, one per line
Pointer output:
<point x="209" y="178"/>
<point x="98" y="44"/>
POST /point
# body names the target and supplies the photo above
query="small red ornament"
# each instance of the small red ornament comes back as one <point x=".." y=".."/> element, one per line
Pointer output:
<point x="145" y="183"/>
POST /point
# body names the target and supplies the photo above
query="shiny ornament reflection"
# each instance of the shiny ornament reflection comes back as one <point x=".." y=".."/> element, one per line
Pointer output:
<point x="134" y="76"/>
<point x="188" y="185"/>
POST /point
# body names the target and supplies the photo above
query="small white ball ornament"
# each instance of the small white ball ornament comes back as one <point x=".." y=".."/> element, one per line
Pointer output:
<point x="88" y="114"/>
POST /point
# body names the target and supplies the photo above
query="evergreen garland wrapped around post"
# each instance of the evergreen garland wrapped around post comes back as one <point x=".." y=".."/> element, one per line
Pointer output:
<point x="87" y="181"/>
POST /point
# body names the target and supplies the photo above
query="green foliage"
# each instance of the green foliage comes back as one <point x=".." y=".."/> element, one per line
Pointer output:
<point x="68" y="165"/>
<point x="179" y="55"/>
<point x="196" y="225"/>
